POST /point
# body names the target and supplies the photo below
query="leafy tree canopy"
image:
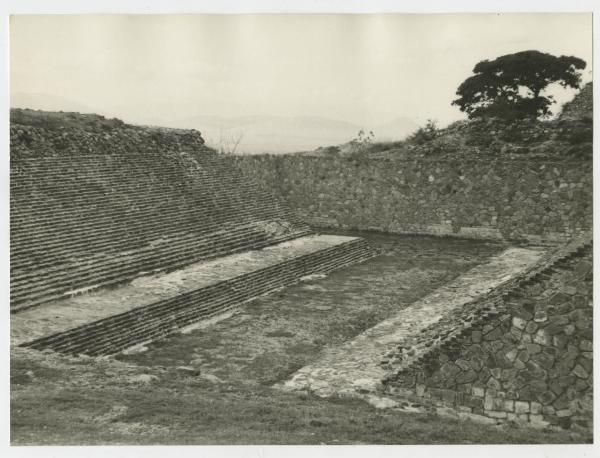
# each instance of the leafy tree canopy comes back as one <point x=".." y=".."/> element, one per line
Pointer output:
<point x="510" y="86"/>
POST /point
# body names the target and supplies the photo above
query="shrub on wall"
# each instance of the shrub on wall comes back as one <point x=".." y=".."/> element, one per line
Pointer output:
<point x="425" y="134"/>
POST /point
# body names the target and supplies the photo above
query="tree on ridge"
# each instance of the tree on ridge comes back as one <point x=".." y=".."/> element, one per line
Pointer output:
<point x="511" y="86"/>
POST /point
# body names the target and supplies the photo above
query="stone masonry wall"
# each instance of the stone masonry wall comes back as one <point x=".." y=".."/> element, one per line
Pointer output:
<point x="525" y="356"/>
<point x="493" y="197"/>
<point x="95" y="202"/>
<point x="581" y="106"/>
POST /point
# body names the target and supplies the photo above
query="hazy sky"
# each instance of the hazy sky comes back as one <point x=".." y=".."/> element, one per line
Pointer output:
<point x="358" y="68"/>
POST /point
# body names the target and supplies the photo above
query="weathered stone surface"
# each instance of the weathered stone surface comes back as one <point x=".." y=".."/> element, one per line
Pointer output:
<point x="142" y="378"/>
<point x="360" y="358"/>
<point x="526" y="205"/>
<point x="531" y="327"/>
<point x="544" y="360"/>
<point x="519" y="323"/>
<point x="507" y="405"/>
<point x="381" y="402"/>
<point x="188" y="370"/>
<point x="580" y="372"/>
<point x="521" y="407"/>
<point x="536" y="376"/>
<point x="546" y="397"/>
<point x="116" y="202"/>
<point x="540" y="316"/>
<point x="477" y="390"/>
<point x="494" y="335"/>
<point x="466" y="377"/>
<point x="542" y="337"/>
<point x="538" y="421"/>
<point x="533" y="348"/>
<point x="211" y="378"/>
<point x="536" y="408"/>
<point x="560" y="341"/>
<point x="108" y="321"/>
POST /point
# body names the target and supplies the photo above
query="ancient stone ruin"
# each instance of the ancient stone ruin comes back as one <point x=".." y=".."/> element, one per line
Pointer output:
<point x="506" y="343"/>
<point x="522" y="352"/>
<point x="122" y="234"/>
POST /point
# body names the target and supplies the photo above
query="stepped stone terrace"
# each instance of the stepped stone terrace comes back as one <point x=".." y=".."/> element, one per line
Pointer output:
<point x="122" y="234"/>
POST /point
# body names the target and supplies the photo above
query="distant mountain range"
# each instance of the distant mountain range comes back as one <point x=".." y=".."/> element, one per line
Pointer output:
<point x="245" y="134"/>
<point x="283" y="134"/>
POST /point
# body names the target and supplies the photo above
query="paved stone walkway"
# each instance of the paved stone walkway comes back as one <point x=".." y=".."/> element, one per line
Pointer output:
<point x="354" y="368"/>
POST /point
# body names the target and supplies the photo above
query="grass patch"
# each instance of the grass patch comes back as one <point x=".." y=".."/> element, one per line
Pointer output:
<point x="175" y="413"/>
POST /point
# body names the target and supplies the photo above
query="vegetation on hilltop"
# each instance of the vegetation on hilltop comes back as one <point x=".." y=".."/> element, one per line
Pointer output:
<point x="90" y="122"/>
<point x="50" y="133"/>
<point x="53" y="120"/>
<point x="562" y="139"/>
<point x="568" y="137"/>
<point x="510" y="87"/>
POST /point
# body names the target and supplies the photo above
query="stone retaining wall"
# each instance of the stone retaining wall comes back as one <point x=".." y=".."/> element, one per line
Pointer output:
<point x="98" y="205"/>
<point x="540" y="199"/>
<point x="524" y="354"/>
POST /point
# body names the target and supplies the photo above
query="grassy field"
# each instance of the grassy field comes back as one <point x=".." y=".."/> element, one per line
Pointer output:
<point x="213" y="385"/>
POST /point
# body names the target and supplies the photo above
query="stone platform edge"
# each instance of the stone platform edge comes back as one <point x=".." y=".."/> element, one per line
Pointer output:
<point x="155" y="320"/>
<point x="489" y="403"/>
<point x="492" y="304"/>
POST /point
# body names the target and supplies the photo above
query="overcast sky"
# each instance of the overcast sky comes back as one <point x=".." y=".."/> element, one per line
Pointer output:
<point x="363" y="69"/>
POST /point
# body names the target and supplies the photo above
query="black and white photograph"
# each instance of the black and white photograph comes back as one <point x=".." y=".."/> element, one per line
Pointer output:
<point x="299" y="228"/>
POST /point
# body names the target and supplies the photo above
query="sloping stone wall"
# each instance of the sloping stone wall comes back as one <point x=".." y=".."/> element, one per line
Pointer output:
<point x="522" y="354"/>
<point x="488" y="197"/>
<point x="96" y="202"/>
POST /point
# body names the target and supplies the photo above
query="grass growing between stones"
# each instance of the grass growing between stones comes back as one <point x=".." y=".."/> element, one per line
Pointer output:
<point x="213" y="385"/>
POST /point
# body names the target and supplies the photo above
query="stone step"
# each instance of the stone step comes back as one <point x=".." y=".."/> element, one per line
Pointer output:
<point x="105" y="322"/>
<point x="197" y="211"/>
<point x="89" y="221"/>
<point x="115" y="271"/>
<point x="61" y="263"/>
<point x="112" y="239"/>
<point x="66" y="202"/>
<point x="184" y="309"/>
